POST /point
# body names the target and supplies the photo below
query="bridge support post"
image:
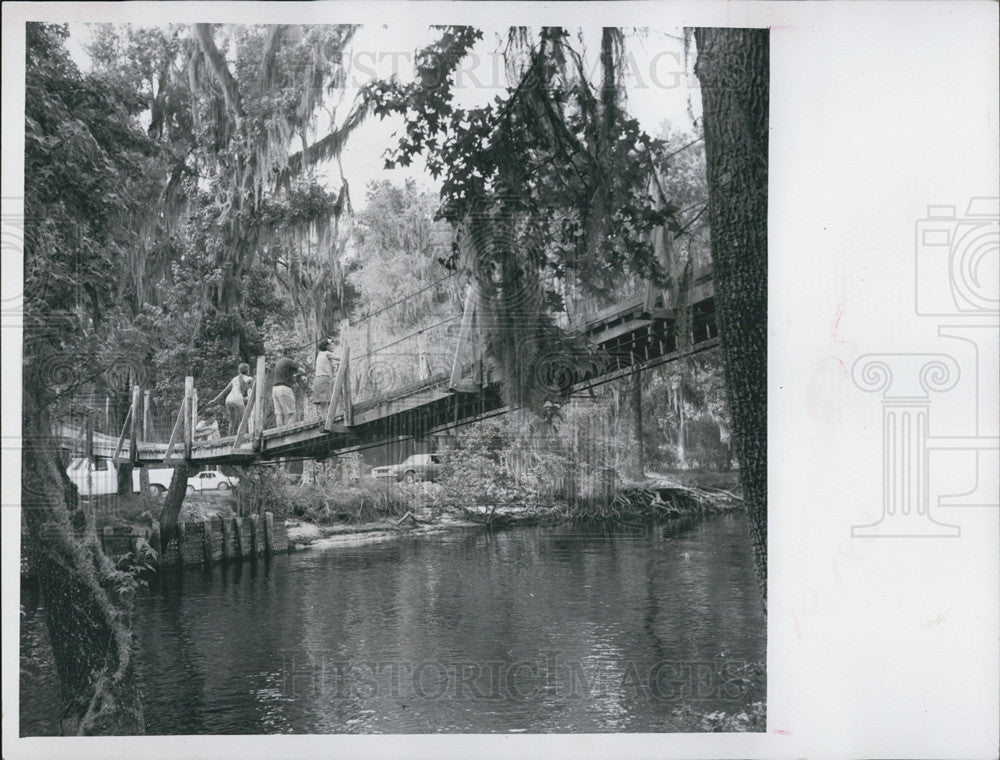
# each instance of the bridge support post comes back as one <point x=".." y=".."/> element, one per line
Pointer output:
<point x="145" y="416"/>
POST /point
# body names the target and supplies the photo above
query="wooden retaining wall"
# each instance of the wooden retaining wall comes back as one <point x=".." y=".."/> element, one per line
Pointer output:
<point x="203" y="543"/>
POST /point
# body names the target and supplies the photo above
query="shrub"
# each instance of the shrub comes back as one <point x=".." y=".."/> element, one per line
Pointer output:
<point x="262" y="488"/>
<point x="364" y="501"/>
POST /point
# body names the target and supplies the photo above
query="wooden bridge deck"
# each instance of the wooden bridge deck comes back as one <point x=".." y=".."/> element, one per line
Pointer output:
<point x="631" y="334"/>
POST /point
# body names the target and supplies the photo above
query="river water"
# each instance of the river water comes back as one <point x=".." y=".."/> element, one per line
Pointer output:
<point x="525" y="630"/>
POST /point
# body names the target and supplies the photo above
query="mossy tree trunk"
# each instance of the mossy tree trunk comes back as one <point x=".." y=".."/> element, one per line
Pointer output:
<point x="173" y="501"/>
<point x="124" y="476"/>
<point x="732" y="68"/>
<point x="87" y="613"/>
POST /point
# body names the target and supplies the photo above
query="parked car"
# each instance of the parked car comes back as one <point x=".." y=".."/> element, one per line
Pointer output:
<point x="414" y="468"/>
<point x="103" y="476"/>
<point x="211" y="480"/>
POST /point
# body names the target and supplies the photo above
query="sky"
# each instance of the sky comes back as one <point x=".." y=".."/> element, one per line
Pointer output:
<point x="657" y="88"/>
<point x="658" y="78"/>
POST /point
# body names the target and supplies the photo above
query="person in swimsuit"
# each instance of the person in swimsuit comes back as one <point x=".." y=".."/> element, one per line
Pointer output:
<point x="236" y="400"/>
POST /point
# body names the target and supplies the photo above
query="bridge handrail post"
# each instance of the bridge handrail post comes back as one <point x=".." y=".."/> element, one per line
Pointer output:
<point x="338" y="390"/>
<point x="258" y="409"/>
<point x="345" y="339"/>
<point x="88" y="450"/>
<point x="475" y="337"/>
<point x="121" y="438"/>
<point x="174" y="433"/>
<point x="423" y="366"/>
<point x="348" y="393"/>
<point x="186" y="412"/>
<point x="463" y="336"/>
<point x="133" y="449"/>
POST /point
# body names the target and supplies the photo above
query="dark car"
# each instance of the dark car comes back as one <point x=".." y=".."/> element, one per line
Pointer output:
<point x="412" y="469"/>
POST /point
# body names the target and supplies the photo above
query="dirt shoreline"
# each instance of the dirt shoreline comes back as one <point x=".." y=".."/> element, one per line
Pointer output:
<point x="653" y="500"/>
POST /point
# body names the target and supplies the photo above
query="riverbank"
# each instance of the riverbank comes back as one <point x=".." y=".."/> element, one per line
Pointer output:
<point x="430" y="509"/>
<point x="369" y="511"/>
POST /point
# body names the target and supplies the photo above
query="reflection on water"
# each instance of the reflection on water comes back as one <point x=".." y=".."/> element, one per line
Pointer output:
<point x="532" y="629"/>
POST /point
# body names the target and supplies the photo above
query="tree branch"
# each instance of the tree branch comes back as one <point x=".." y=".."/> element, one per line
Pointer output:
<point x="216" y="61"/>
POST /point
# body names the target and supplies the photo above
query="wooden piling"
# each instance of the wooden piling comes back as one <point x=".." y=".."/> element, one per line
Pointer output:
<point x="278" y="534"/>
<point x="206" y="542"/>
<point x="241" y="537"/>
<point x="227" y="540"/>
<point x="256" y="539"/>
<point x="181" y="542"/>
<point x="269" y="533"/>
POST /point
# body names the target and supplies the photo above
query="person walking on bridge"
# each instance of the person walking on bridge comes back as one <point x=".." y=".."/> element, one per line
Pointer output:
<point x="286" y="372"/>
<point x="236" y="401"/>
<point x="326" y="366"/>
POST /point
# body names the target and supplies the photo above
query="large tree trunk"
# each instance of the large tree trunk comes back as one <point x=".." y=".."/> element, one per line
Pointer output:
<point x="173" y="502"/>
<point x="732" y="68"/>
<point x="124" y="476"/>
<point x="87" y="617"/>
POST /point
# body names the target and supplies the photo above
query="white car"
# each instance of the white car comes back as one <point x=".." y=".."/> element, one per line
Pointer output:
<point x="100" y="478"/>
<point x="211" y="480"/>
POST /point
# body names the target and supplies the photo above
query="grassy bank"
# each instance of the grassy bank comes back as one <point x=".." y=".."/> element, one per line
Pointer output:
<point x="143" y="509"/>
<point x="326" y="509"/>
